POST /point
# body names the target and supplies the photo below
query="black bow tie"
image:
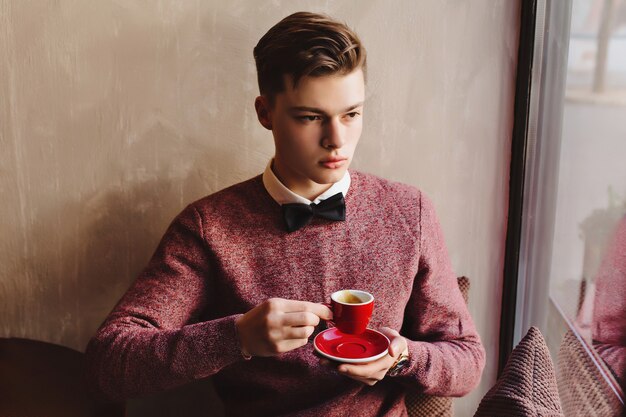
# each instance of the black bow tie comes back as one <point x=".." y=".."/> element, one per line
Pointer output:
<point x="298" y="215"/>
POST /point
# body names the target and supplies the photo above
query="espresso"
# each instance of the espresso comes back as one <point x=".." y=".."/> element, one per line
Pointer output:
<point x="349" y="298"/>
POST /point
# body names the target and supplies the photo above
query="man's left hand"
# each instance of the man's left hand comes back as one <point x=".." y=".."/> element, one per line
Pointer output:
<point x="372" y="372"/>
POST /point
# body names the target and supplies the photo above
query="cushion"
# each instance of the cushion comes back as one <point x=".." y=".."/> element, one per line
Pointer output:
<point x="527" y="386"/>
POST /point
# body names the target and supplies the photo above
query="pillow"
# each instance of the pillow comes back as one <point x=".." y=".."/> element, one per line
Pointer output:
<point x="527" y="386"/>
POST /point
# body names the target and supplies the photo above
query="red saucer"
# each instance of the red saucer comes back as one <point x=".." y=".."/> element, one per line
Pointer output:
<point x="338" y="346"/>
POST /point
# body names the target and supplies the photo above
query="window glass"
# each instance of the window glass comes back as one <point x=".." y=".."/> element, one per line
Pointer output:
<point x="588" y="263"/>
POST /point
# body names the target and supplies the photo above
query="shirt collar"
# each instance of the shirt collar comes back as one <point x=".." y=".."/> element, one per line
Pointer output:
<point x="283" y="195"/>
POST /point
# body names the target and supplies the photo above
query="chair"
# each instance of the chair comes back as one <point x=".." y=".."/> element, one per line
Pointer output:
<point x="419" y="404"/>
<point x="44" y="379"/>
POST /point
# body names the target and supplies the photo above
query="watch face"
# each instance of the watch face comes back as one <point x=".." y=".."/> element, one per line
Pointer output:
<point x="401" y="364"/>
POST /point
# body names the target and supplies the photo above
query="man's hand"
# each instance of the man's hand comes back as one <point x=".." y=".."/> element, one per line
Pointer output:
<point x="372" y="372"/>
<point x="278" y="325"/>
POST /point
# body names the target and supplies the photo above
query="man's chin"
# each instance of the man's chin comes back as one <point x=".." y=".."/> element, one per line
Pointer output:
<point x="330" y="177"/>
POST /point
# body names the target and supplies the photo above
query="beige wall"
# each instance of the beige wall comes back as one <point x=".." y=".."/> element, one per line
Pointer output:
<point x="114" y="115"/>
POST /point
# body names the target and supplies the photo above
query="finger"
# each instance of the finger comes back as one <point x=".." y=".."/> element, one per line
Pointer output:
<point x="397" y="343"/>
<point x="320" y="310"/>
<point x="389" y="332"/>
<point x="301" y="318"/>
<point x="366" y="381"/>
<point x="289" y="345"/>
<point x="396" y="347"/>
<point x="302" y="332"/>
<point x="368" y="369"/>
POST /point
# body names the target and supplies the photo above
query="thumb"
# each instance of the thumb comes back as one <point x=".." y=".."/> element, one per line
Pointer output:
<point x="397" y="343"/>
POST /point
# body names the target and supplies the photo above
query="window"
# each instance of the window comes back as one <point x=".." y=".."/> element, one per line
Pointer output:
<point x="571" y="271"/>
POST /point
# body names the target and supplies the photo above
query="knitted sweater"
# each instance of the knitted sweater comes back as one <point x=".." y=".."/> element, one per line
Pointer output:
<point x="228" y="252"/>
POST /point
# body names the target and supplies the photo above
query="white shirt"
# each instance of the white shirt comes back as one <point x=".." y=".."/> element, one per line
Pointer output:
<point x="283" y="195"/>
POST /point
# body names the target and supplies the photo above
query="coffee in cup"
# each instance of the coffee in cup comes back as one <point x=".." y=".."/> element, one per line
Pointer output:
<point x="352" y="310"/>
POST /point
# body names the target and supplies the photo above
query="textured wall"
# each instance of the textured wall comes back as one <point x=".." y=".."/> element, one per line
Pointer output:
<point x="114" y="115"/>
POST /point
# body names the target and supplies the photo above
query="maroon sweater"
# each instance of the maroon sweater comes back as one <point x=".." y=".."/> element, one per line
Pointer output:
<point x="228" y="252"/>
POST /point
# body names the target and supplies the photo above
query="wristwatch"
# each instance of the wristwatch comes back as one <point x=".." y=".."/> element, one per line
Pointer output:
<point x="401" y="363"/>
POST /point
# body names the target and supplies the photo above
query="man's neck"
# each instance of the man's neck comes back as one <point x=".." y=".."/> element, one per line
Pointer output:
<point x="310" y="192"/>
<point x="284" y="195"/>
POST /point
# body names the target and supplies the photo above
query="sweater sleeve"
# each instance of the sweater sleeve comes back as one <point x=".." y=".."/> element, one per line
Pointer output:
<point x="151" y="341"/>
<point x="446" y="354"/>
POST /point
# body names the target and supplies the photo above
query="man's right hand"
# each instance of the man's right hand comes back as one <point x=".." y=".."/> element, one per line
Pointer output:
<point x="278" y="325"/>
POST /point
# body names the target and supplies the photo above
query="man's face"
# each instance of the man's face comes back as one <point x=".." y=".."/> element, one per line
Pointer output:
<point x="316" y="128"/>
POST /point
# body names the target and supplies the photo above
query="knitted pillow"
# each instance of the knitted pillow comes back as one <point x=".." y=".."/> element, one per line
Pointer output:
<point x="527" y="386"/>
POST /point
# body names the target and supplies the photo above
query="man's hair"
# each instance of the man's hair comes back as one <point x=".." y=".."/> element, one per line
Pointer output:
<point x="306" y="44"/>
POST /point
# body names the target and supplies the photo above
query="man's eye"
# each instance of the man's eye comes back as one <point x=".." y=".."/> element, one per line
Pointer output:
<point x="309" y="118"/>
<point x="353" y="114"/>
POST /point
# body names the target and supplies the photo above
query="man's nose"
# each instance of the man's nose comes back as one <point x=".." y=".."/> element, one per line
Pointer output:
<point x="334" y="135"/>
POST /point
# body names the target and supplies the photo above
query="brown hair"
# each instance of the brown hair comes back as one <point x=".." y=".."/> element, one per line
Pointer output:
<point x="306" y="44"/>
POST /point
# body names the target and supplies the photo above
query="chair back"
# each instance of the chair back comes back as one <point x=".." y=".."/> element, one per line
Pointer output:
<point x="44" y="379"/>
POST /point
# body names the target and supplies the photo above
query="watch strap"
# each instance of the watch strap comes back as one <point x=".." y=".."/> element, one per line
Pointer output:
<point x="400" y="363"/>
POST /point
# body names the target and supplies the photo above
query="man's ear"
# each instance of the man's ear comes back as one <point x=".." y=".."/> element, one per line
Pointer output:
<point x="263" y="111"/>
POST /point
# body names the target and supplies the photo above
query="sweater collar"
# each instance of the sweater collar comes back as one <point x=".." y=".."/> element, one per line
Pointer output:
<point x="283" y="195"/>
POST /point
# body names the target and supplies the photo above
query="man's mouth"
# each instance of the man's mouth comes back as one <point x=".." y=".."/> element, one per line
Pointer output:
<point x="334" y="162"/>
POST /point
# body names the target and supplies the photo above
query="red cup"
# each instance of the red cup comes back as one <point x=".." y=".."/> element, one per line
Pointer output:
<point x="352" y="310"/>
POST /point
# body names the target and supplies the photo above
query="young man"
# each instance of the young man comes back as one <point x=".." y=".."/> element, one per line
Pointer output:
<point x="237" y="286"/>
